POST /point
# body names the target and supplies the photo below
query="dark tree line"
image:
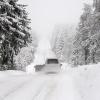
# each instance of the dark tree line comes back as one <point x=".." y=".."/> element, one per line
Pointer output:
<point x="14" y="31"/>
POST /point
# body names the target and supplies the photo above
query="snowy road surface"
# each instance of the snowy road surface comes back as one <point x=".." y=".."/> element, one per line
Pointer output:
<point x="38" y="87"/>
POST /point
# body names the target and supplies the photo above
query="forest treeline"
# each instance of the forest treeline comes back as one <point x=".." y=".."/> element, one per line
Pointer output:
<point x="84" y="47"/>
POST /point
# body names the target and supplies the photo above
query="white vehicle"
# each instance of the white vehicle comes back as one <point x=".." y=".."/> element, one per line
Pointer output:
<point x="52" y="65"/>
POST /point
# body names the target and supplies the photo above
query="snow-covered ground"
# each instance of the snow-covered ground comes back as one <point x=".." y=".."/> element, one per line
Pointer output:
<point x="39" y="86"/>
<point x="87" y="81"/>
<point x="82" y="83"/>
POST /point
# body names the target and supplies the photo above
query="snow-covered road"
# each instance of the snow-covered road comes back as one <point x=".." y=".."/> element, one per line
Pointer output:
<point x="38" y="87"/>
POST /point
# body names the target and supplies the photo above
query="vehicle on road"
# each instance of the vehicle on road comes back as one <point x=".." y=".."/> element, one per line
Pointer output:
<point x="51" y="65"/>
<point x="39" y="67"/>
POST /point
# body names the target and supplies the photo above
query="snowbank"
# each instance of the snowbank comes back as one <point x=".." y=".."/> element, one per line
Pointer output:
<point x="11" y="72"/>
<point x="87" y="81"/>
<point x="30" y="68"/>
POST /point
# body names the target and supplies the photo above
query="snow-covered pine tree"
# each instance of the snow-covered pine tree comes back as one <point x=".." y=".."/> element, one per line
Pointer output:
<point x="14" y="31"/>
<point x="59" y="46"/>
<point x="88" y="37"/>
<point x="60" y="41"/>
<point x="95" y="31"/>
<point x="82" y="39"/>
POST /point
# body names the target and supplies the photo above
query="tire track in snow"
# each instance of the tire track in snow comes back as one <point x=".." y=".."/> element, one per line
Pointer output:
<point x="15" y="88"/>
<point x="27" y="91"/>
<point x="46" y="89"/>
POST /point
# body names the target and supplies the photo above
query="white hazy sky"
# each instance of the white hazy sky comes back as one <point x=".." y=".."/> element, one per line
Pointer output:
<point x="46" y="13"/>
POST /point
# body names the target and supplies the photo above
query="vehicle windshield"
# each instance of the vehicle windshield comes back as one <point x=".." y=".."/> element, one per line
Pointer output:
<point x="52" y="61"/>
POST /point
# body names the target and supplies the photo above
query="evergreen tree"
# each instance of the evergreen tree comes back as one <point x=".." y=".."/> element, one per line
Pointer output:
<point x="87" y="41"/>
<point x="14" y="31"/>
<point x="63" y="41"/>
<point x="59" y="42"/>
<point x="82" y="38"/>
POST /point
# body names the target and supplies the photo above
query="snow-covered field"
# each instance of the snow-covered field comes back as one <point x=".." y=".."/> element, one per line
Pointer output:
<point x="82" y="83"/>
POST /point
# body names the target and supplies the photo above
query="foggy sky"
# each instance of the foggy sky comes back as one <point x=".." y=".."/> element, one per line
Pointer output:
<point x="45" y="14"/>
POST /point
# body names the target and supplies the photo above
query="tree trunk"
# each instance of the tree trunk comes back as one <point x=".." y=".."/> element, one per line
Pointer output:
<point x="93" y="57"/>
<point x="86" y="54"/>
<point x="96" y="4"/>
